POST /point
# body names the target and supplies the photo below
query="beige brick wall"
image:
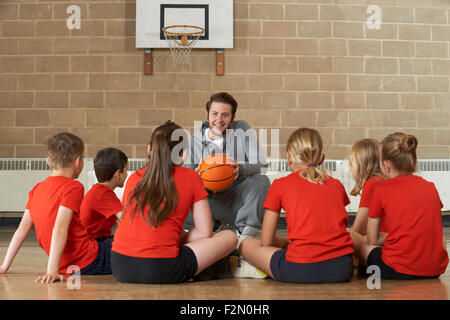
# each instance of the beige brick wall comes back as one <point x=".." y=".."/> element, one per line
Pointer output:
<point x="294" y="63"/>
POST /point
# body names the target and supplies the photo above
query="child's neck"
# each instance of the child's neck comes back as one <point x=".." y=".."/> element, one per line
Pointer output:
<point x="298" y="167"/>
<point x="110" y="184"/>
<point x="65" y="172"/>
<point x="393" y="175"/>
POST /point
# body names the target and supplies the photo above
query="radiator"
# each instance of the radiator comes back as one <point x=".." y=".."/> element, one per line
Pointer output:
<point x="18" y="176"/>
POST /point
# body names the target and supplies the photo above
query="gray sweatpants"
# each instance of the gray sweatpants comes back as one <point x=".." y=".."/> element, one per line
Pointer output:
<point x="240" y="205"/>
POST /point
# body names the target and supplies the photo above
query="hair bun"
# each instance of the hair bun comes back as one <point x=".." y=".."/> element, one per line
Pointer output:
<point x="409" y="143"/>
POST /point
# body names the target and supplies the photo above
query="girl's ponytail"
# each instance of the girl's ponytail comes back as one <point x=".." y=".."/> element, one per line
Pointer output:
<point x="157" y="190"/>
<point x="305" y="147"/>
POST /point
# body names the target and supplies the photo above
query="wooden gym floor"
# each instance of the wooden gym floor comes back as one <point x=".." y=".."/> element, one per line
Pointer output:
<point x="31" y="262"/>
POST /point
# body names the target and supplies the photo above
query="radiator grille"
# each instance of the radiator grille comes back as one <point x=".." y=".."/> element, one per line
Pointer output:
<point x="136" y="164"/>
<point x="23" y="164"/>
<point x="15" y="185"/>
<point x="274" y="164"/>
<point x="433" y="165"/>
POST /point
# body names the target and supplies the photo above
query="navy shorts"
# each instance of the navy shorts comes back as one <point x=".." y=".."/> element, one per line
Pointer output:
<point x="155" y="270"/>
<point x="329" y="271"/>
<point x="387" y="272"/>
<point x="101" y="265"/>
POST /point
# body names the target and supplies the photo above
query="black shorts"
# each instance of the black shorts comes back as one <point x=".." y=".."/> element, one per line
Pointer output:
<point x="155" y="270"/>
<point x="387" y="272"/>
<point x="101" y="265"/>
<point x="330" y="271"/>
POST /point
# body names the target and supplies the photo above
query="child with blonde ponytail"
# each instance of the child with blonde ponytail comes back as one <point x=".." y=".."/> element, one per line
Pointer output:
<point x="318" y="247"/>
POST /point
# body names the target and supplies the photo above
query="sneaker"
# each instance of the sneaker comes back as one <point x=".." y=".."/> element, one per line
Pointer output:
<point x="240" y="268"/>
<point x="240" y="238"/>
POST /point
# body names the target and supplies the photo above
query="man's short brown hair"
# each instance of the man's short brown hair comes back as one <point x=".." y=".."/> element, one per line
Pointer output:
<point x="223" y="97"/>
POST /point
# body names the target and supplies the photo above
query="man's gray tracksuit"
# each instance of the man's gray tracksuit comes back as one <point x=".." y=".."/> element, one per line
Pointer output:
<point x="241" y="203"/>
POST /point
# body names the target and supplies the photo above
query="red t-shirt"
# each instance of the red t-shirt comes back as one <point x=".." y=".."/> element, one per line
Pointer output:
<point x="43" y="202"/>
<point x="367" y="194"/>
<point x="98" y="210"/>
<point x="315" y="215"/>
<point x="411" y="208"/>
<point x="136" y="238"/>
<point x="368" y="189"/>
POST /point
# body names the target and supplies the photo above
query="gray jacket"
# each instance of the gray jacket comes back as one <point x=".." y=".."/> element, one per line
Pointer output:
<point x="240" y="143"/>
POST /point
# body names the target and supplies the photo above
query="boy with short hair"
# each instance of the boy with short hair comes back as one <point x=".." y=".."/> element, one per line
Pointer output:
<point x="53" y="208"/>
<point x="100" y="208"/>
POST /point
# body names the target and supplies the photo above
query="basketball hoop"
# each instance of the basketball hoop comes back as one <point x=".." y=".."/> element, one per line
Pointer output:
<point x="181" y="39"/>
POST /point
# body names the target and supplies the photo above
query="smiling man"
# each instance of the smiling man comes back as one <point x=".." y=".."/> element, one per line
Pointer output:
<point x="239" y="206"/>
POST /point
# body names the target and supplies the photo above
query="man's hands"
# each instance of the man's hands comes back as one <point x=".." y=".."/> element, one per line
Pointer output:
<point x="234" y="163"/>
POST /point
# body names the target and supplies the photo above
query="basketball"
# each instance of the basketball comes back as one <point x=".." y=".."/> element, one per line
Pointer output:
<point x="216" y="173"/>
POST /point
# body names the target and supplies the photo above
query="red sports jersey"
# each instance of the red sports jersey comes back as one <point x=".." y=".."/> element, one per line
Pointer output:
<point x="315" y="215"/>
<point x="411" y="209"/>
<point x="98" y="210"/>
<point x="368" y="189"/>
<point x="367" y="194"/>
<point x="43" y="202"/>
<point x="136" y="238"/>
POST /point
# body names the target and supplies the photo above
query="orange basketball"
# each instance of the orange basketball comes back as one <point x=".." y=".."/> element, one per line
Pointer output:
<point x="216" y="173"/>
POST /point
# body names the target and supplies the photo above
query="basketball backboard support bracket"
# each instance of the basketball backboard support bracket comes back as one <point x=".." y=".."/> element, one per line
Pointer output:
<point x="220" y="62"/>
<point x="148" y="62"/>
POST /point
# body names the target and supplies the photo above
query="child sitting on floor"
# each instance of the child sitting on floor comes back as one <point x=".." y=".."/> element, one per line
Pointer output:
<point x="101" y="208"/>
<point x="411" y="208"/>
<point x="318" y="247"/>
<point x="53" y="208"/>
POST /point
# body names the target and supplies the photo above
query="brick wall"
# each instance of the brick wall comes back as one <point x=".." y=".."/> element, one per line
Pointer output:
<point x="294" y="63"/>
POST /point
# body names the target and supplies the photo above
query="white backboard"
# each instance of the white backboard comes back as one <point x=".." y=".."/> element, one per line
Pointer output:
<point x="215" y="16"/>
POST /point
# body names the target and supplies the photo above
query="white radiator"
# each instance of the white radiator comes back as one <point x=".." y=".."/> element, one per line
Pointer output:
<point x="18" y="176"/>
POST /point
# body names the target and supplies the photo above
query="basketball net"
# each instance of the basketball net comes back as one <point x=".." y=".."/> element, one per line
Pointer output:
<point x="181" y="39"/>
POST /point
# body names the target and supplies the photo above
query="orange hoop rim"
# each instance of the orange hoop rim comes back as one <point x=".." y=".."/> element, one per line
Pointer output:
<point x="201" y="30"/>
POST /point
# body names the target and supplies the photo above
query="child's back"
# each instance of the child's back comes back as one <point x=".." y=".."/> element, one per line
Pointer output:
<point x="315" y="215"/>
<point x="44" y="202"/>
<point x="98" y="210"/>
<point x="101" y="207"/>
<point x="319" y="247"/>
<point x="135" y="237"/>
<point x="411" y="208"/>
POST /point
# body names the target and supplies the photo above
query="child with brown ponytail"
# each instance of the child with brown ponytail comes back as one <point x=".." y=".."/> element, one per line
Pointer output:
<point x="148" y="244"/>
<point x="318" y="247"/>
<point x="411" y="209"/>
